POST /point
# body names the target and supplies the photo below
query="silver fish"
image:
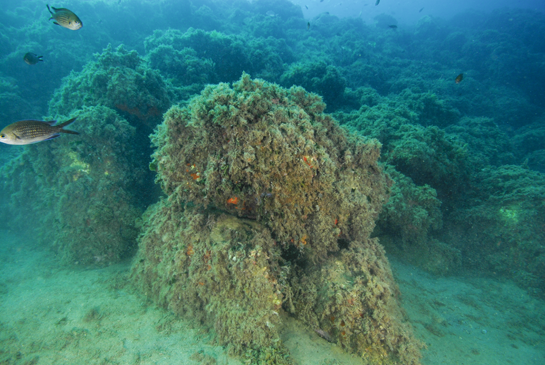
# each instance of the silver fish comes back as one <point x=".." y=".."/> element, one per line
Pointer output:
<point x="33" y="131"/>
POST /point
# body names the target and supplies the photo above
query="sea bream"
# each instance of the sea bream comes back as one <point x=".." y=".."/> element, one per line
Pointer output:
<point x="33" y="131"/>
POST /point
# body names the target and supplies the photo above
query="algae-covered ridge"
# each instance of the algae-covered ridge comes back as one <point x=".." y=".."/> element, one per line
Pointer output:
<point x="269" y="210"/>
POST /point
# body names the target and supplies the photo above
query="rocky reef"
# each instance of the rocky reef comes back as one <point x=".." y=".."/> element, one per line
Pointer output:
<point x="501" y="229"/>
<point x="80" y="191"/>
<point x="120" y="80"/>
<point x="86" y="193"/>
<point x="269" y="210"/>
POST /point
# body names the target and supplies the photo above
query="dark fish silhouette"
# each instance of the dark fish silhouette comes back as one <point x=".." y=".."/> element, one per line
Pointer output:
<point x="308" y="25"/>
<point x="378" y="1"/>
<point x="65" y="18"/>
<point x="459" y="78"/>
<point x="420" y="10"/>
<point x="393" y="26"/>
<point x="32" y="58"/>
<point x="33" y="131"/>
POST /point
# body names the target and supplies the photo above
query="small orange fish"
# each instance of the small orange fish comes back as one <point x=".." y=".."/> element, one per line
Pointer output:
<point x="459" y="78"/>
<point x="232" y="200"/>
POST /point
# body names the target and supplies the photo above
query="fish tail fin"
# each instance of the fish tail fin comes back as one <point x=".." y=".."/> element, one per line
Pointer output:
<point x="48" y="8"/>
<point x="62" y="125"/>
<point x="68" y="122"/>
<point x="68" y="131"/>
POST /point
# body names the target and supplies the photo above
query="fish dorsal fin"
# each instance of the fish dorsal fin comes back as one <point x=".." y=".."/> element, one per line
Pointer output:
<point x="59" y="9"/>
<point x="50" y="122"/>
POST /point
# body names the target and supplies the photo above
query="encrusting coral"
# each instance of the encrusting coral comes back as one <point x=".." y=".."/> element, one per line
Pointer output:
<point x="269" y="209"/>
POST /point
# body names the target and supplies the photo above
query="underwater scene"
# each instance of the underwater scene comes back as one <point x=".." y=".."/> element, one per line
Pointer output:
<point x="319" y="182"/>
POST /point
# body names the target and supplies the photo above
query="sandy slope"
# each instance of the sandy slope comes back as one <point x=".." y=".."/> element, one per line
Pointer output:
<point x="50" y="315"/>
<point x="473" y="320"/>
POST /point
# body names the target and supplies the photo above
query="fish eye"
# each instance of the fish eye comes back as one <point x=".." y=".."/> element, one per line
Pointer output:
<point x="2" y="135"/>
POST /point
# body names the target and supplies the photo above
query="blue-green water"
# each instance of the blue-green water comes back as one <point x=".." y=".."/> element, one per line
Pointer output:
<point x="455" y="96"/>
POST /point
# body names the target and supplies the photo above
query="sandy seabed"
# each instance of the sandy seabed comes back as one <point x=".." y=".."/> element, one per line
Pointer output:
<point x="54" y="315"/>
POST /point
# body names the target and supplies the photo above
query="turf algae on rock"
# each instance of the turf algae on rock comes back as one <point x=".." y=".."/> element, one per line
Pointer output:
<point x="120" y="80"/>
<point x="263" y="152"/>
<point x="216" y="269"/>
<point x="88" y="192"/>
<point x="270" y="203"/>
<point x="81" y="191"/>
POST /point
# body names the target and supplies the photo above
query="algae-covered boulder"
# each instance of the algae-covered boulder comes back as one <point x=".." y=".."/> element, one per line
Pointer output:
<point x="318" y="77"/>
<point x="87" y="192"/>
<point x="82" y="189"/>
<point x="120" y="80"/>
<point x="412" y="211"/>
<point x="263" y="152"/>
<point x="530" y="138"/>
<point x="12" y="106"/>
<point x="487" y="143"/>
<point x="227" y="54"/>
<point x="197" y="57"/>
<point x="215" y="269"/>
<point x="351" y="300"/>
<point x="269" y="209"/>
<point x="409" y="223"/>
<point x="501" y="226"/>
<point x="183" y="65"/>
<point x="427" y="155"/>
